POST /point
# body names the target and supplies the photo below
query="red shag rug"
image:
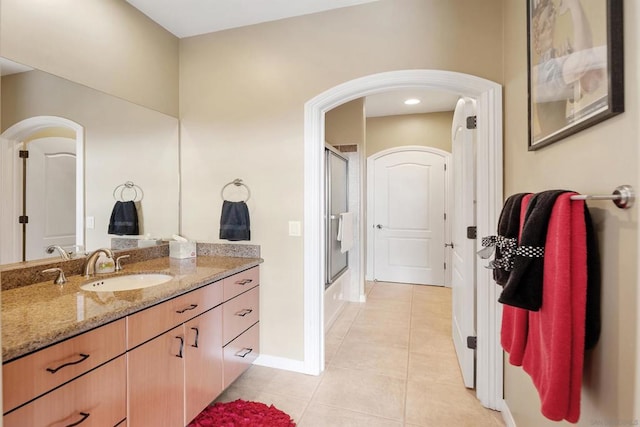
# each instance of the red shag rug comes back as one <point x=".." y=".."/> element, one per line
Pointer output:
<point x="242" y="413"/>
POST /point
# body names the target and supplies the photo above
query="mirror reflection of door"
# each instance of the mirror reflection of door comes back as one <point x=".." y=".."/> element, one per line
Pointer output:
<point x="47" y="186"/>
<point x="50" y="195"/>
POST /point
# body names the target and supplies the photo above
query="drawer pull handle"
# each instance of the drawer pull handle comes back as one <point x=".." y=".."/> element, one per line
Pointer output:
<point x="244" y="282"/>
<point x="195" y="343"/>
<point x="191" y="307"/>
<point x="85" y="415"/>
<point x="181" y="347"/>
<point x="244" y="352"/>
<point x="244" y="312"/>
<point x="83" y="357"/>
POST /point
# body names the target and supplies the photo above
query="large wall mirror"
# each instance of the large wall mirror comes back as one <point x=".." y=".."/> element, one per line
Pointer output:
<point x="86" y="151"/>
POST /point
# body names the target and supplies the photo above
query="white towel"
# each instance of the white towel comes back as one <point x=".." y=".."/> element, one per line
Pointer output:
<point x="345" y="231"/>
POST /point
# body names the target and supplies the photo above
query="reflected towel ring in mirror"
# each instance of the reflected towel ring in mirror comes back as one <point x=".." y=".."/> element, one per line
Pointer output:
<point x="237" y="182"/>
<point x="124" y="192"/>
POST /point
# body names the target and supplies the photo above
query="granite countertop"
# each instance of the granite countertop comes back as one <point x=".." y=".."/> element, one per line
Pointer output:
<point x="41" y="314"/>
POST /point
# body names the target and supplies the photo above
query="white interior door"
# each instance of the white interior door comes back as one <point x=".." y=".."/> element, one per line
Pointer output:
<point x="408" y="217"/>
<point x="463" y="281"/>
<point x="51" y="195"/>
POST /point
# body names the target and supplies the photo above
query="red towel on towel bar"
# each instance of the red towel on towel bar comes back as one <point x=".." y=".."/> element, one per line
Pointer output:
<point x="554" y="351"/>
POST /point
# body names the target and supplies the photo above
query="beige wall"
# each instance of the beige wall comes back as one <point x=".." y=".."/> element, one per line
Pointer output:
<point x="104" y="44"/>
<point x="242" y="95"/>
<point x="345" y="124"/>
<point x="429" y="130"/>
<point x="594" y="161"/>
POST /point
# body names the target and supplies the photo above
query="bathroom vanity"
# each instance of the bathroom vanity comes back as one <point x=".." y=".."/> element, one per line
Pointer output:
<point x="153" y="356"/>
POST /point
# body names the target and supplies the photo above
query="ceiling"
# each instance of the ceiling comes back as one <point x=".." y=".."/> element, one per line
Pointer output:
<point x="392" y="103"/>
<point x="186" y="18"/>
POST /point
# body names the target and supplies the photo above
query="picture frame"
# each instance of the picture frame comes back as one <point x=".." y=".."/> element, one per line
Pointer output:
<point x="575" y="66"/>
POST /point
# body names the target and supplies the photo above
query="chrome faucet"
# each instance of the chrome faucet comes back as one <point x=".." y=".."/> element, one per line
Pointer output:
<point x="63" y="254"/>
<point x="90" y="264"/>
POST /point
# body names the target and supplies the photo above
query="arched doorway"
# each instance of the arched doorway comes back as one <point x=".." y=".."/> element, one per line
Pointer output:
<point x="11" y="142"/>
<point x="488" y="96"/>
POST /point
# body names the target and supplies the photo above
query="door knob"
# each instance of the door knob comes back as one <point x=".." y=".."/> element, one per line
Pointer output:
<point x="379" y="226"/>
<point x="449" y="244"/>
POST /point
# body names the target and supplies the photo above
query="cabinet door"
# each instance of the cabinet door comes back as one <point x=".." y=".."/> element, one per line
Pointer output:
<point x="97" y="399"/>
<point x="203" y="362"/>
<point x="156" y="381"/>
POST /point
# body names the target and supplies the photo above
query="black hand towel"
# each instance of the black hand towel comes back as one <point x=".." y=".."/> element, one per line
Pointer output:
<point x="508" y="228"/>
<point x="234" y="221"/>
<point x="524" y="286"/>
<point x="124" y="219"/>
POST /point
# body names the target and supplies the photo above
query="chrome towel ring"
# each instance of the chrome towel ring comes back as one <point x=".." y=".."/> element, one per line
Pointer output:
<point x="237" y="182"/>
<point x="128" y="192"/>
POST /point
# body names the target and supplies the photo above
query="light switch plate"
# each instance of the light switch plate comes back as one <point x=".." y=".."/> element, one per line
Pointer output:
<point x="91" y="222"/>
<point x="295" y="228"/>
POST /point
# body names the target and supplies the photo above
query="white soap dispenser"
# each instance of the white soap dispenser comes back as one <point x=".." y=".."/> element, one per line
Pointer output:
<point x="105" y="264"/>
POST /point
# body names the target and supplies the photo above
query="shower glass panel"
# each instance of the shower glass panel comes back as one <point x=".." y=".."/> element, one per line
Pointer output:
<point x="336" y="203"/>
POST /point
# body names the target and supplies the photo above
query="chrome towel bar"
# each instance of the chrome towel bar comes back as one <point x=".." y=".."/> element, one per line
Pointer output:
<point x="624" y="196"/>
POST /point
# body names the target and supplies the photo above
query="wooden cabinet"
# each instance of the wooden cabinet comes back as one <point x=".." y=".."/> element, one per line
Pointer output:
<point x="175" y="375"/>
<point x="157" y="367"/>
<point x="241" y="323"/>
<point x="156" y="381"/>
<point x="95" y="399"/>
<point x="203" y="361"/>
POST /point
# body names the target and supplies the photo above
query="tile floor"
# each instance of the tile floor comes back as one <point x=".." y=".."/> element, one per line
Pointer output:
<point x="390" y="362"/>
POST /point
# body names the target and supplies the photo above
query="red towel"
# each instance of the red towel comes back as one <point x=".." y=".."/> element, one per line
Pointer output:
<point x="554" y="351"/>
<point x="515" y="320"/>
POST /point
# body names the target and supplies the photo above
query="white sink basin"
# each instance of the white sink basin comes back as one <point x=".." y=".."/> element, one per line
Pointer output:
<point x="127" y="282"/>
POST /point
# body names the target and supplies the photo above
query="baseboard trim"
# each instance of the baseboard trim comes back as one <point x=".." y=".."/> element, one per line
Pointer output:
<point x="507" y="416"/>
<point x="280" y="363"/>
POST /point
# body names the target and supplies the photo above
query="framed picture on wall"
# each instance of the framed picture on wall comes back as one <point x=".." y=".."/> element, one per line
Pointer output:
<point x="575" y="66"/>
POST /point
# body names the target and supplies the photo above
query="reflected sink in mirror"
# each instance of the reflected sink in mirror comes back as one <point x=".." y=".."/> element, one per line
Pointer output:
<point x="127" y="282"/>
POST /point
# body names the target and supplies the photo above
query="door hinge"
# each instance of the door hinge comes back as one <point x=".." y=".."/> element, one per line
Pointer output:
<point x="23" y="219"/>
<point x="472" y="232"/>
<point x="445" y="216"/>
<point x="445" y="265"/>
<point x="472" y="343"/>
<point x="23" y="154"/>
<point x="472" y="122"/>
<point x="445" y="166"/>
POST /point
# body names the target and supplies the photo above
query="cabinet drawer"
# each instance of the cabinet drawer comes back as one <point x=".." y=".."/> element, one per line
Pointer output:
<point x="98" y="397"/>
<point x="39" y="372"/>
<point x="240" y="353"/>
<point x="241" y="282"/>
<point x="153" y="321"/>
<point x="240" y="313"/>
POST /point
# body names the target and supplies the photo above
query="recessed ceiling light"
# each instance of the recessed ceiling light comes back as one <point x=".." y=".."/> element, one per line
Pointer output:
<point x="412" y="101"/>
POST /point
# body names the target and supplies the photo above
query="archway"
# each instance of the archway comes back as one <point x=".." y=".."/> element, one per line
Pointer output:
<point x="488" y="96"/>
<point x="10" y="143"/>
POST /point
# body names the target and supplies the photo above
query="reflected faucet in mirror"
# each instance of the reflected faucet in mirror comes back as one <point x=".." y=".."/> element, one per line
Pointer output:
<point x="63" y="254"/>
